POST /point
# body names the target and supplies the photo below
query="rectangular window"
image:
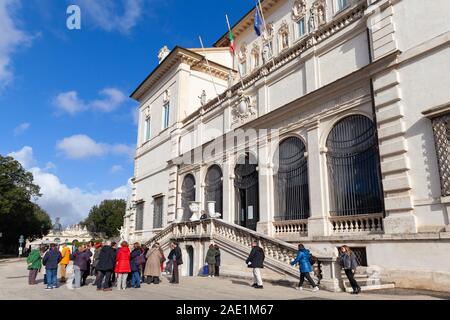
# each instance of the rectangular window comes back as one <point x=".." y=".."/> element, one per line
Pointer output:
<point x="147" y="130"/>
<point x="166" y="115"/>
<point x="441" y="129"/>
<point x="158" y="210"/>
<point x="139" y="217"/>
<point x="341" y="5"/>
<point x="301" y="28"/>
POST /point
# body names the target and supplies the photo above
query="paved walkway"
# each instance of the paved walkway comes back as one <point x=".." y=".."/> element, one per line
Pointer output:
<point x="14" y="278"/>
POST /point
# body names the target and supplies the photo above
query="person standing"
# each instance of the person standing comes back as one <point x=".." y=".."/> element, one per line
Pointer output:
<point x="218" y="261"/>
<point x="34" y="262"/>
<point x="98" y="247"/>
<point x="144" y="249"/>
<point x="65" y="260"/>
<point x="122" y="265"/>
<point x="348" y="262"/>
<point x="153" y="265"/>
<point x="176" y="257"/>
<point x="50" y="261"/>
<point x="113" y="276"/>
<point x="80" y="264"/>
<point x="256" y="261"/>
<point x="135" y="265"/>
<point x="162" y="255"/>
<point x="304" y="260"/>
<point x="211" y="260"/>
<point x="105" y="267"/>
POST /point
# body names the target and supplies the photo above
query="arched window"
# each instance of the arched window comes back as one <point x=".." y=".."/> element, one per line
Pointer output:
<point x="353" y="168"/>
<point x="187" y="195"/>
<point x="214" y="187"/>
<point x="292" y="181"/>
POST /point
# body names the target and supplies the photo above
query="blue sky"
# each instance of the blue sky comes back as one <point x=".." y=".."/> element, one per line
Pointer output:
<point x="64" y="106"/>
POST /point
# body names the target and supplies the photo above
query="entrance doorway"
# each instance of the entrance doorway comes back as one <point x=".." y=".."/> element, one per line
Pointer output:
<point x="247" y="191"/>
<point x="190" y="264"/>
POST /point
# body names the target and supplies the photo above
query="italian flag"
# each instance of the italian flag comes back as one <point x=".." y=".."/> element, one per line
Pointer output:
<point x="232" y="47"/>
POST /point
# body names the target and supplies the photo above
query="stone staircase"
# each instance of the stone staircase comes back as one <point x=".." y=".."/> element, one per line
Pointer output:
<point x="236" y="241"/>
<point x="367" y="280"/>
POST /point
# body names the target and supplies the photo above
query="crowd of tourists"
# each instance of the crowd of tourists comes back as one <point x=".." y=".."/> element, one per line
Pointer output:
<point x="109" y="265"/>
<point x="127" y="268"/>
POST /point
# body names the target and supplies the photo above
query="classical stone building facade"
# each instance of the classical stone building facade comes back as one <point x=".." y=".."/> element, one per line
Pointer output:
<point x="331" y="128"/>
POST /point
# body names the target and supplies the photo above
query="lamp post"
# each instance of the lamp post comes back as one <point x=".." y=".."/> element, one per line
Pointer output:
<point x="21" y="240"/>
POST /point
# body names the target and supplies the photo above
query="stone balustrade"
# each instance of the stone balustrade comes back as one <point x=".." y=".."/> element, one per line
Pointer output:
<point x="358" y="224"/>
<point x="296" y="227"/>
<point x="278" y="253"/>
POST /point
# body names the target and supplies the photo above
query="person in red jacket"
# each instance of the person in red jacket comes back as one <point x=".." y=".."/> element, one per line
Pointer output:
<point x="122" y="265"/>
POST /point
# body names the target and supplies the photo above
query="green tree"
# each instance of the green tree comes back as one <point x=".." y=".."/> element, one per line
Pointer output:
<point x="18" y="214"/>
<point x="106" y="218"/>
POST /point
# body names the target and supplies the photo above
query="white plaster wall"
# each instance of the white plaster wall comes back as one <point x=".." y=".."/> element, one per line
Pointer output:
<point x="149" y="187"/>
<point x="418" y="20"/>
<point x="199" y="81"/>
<point x="424" y="85"/>
<point x="290" y="86"/>
<point x="344" y="59"/>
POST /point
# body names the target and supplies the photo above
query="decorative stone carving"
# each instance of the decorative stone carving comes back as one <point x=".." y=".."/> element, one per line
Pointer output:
<point x="147" y="113"/>
<point x="166" y="96"/>
<point x="283" y="33"/>
<point x="255" y="53"/>
<point x="299" y="10"/>
<point x="163" y="53"/>
<point x="195" y="209"/>
<point x="320" y="12"/>
<point x="268" y="32"/>
<point x="243" y="110"/>
<point x="202" y="98"/>
<point x="242" y="54"/>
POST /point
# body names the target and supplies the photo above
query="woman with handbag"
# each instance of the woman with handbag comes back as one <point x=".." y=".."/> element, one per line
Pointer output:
<point x="304" y="260"/>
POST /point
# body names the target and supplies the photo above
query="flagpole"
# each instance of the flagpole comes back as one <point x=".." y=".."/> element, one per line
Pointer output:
<point x="265" y="29"/>
<point x="234" y="55"/>
<point x="209" y="68"/>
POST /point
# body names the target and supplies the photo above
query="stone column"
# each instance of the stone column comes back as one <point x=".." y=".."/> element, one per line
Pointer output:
<point x="318" y="222"/>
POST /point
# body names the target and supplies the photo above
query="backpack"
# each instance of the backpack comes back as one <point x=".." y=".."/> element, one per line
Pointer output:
<point x="313" y="259"/>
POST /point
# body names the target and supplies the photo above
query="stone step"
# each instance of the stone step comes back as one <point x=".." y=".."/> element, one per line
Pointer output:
<point x="373" y="287"/>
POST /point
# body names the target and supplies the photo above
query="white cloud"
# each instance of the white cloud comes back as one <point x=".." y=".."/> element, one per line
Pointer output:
<point x="69" y="102"/>
<point x="104" y="14"/>
<point x="72" y="205"/>
<point x="116" y="168"/>
<point x="24" y="156"/>
<point x="11" y="38"/>
<point x="21" y="128"/>
<point x="83" y="147"/>
<point x="113" y="98"/>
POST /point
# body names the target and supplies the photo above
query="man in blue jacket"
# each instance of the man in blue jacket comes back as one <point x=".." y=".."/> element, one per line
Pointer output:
<point x="51" y="261"/>
<point x="303" y="259"/>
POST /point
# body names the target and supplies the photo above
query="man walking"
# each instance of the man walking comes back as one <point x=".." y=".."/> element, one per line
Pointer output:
<point x="105" y="266"/>
<point x="65" y="260"/>
<point x="50" y="261"/>
<point x="256" y="261"/>
<point x="176" y="257"/>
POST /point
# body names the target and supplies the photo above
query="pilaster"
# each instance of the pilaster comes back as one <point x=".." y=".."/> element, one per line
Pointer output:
<point x="394" y="160"/>
<point x="318" y="222"/>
